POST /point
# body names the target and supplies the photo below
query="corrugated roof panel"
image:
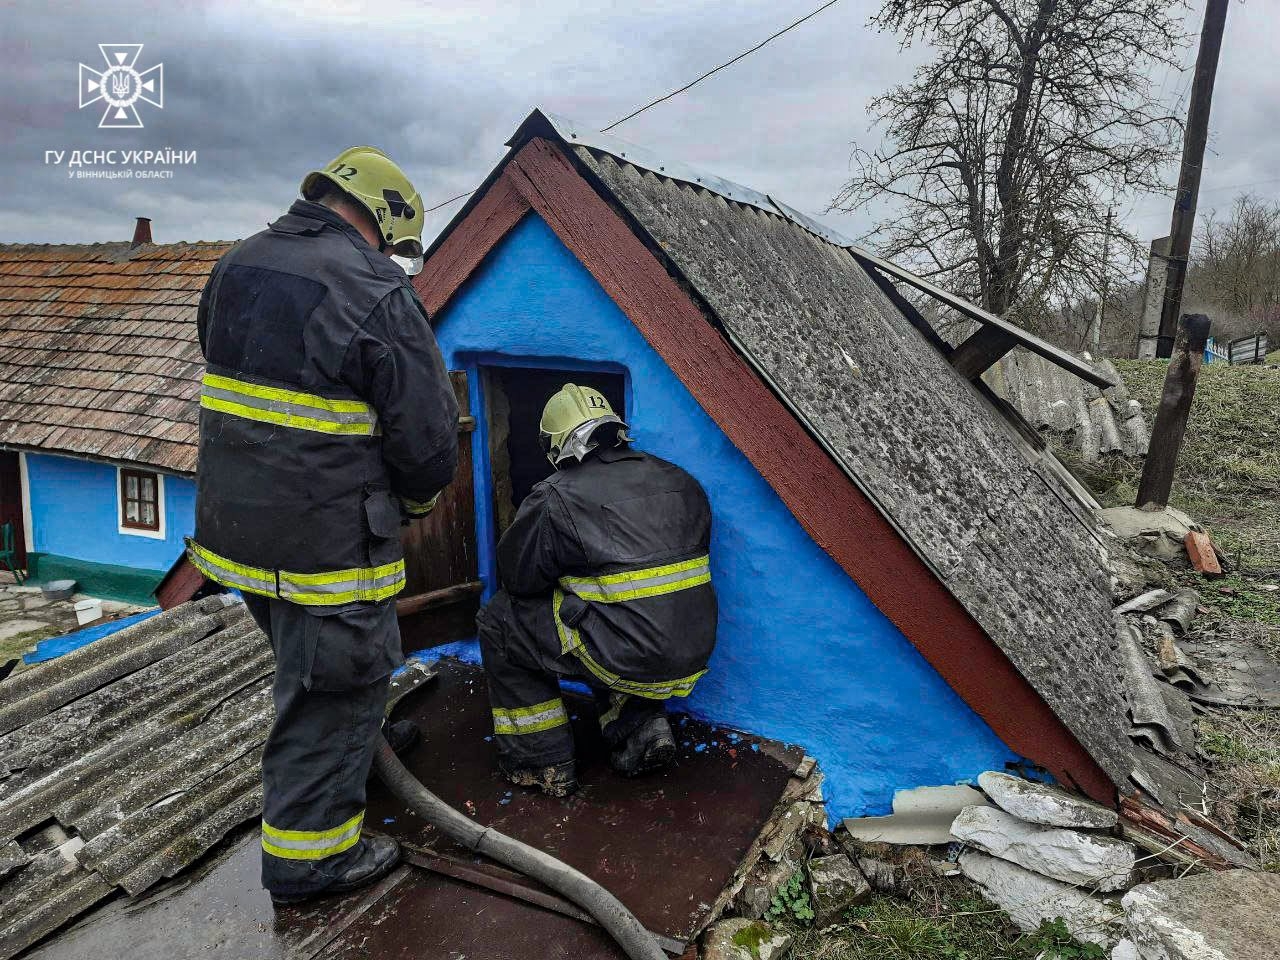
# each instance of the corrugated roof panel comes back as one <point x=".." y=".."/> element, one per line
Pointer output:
<point x="923" y="444"/>
<point x="144" y="746"/>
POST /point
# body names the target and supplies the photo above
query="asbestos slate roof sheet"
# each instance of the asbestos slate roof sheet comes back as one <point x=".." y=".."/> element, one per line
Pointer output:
<point x="914" y="435"/>
<point x="98" y="350"/>
<point x="124" y="761"/>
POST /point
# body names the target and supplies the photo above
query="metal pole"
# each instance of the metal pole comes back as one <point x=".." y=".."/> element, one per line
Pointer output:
<point x="1193" y="144"/>
<point x="1175" y="408"/>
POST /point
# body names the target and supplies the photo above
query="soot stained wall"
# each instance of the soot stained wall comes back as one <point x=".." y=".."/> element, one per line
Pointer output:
<point x="803" y="656"/>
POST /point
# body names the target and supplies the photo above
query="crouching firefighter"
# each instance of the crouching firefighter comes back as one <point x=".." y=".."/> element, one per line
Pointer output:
<point x="326" y="419"/>
<point x="606" y="579"/>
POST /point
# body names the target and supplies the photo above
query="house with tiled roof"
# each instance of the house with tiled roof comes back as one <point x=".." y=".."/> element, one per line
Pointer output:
<point x="99" y="399"/>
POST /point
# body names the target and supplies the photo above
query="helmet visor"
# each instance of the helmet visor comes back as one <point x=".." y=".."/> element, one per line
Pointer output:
<point x="408" y="254"/>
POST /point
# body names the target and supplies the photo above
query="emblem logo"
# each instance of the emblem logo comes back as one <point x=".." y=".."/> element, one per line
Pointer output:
<point x="121" y="85"/>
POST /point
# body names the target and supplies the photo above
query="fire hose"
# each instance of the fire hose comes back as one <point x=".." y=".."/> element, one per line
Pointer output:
<point x="607" y="910"/>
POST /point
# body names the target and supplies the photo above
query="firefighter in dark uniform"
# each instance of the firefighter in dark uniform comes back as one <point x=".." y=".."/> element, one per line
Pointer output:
<point x="326" y="419"/>
<point x="606" y="578"/>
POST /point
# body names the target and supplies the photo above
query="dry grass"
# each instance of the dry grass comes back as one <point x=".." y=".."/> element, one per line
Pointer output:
<point x="1229" y="479"/>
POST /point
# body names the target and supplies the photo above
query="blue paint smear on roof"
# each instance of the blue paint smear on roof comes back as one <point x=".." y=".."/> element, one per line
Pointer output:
<point x="56" y="646"/>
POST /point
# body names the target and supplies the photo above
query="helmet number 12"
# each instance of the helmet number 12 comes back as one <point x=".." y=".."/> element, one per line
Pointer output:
<point x="344" y="171"/>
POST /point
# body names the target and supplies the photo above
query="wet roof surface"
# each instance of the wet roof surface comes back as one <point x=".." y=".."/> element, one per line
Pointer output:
<point x="149" y="746"/>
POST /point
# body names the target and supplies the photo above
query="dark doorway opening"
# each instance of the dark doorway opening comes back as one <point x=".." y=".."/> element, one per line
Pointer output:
<point x="515" y="397"/>
<point x="11" y="504"/>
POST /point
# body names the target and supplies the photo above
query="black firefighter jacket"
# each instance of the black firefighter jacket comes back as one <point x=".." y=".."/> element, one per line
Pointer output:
<point x="325" y="411"/>
<point x="621" y="543"/>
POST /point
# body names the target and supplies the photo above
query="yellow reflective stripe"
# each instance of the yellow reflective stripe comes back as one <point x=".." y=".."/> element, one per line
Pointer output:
<point x="282" y="419"/>
<point x="329" y="588"/>
<point x="637" y="584"/>
<point x="287" y="408"/>
<point x="419" y="508"/>
<point x="285" y="396"/>
<point x="616" y="702"/>
<point x="571" y="642"/>
<point x="520" y="720"/>
<point x="311" y="844"/>
<point x="628" y="576"/>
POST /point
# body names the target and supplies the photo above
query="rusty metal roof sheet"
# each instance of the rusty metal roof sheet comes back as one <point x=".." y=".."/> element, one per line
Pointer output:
<point x="141" y="751"/>
<point x="910" y="431"/>
<point x="98" y="350"/>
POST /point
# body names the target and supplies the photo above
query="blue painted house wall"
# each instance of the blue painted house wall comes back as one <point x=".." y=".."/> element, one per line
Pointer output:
<point x="802" y="656"/>
<point x="75" y="527"/>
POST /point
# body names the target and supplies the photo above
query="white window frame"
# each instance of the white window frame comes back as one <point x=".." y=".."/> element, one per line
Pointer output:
<point x="159" y="532"/>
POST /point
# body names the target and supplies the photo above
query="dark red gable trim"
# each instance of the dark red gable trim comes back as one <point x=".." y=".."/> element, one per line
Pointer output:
<point x="830" y="507"/>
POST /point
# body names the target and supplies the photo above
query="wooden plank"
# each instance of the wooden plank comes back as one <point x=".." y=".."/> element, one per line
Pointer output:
<point x="440" y="552"/>
<point x="433" y="599"/>
<point x="1175" y="408"/>
<point x="980" y="351"/>
<point x="1024" y="338"/>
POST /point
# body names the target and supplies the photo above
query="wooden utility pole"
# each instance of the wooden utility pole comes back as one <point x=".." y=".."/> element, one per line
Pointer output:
<point x="1193" y="144"/>
<point x="1175" y="408"/>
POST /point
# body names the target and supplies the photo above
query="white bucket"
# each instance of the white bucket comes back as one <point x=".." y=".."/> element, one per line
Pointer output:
<point x="88" y="611"/>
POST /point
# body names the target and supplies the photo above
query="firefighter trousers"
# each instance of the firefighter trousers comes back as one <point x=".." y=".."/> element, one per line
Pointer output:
<point x="333" y="667"/>
<point x="523" y="665"/>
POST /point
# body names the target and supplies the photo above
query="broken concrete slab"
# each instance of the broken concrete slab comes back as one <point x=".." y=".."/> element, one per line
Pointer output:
<point x="15" y="628"/>
<point x="1043" y="804"/>
<point x="1227" y="915"/>
<point x="921" y="816"/>
<point x="835" y="885"/>
<point x="1090" y="860"/>
<point x="741" y="939"/>
<point x="1153" y="533"/>
<point x="1030" y="899"/>
<point x="764" y="882"/>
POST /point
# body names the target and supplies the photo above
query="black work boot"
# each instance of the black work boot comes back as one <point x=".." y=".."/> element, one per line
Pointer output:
<point x="376" y="857"/>
<point x="557" y="780"/>
<point x="651" y="746"/>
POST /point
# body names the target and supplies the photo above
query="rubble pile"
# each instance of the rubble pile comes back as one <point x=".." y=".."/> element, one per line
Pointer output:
<point x="1041" y="854"/>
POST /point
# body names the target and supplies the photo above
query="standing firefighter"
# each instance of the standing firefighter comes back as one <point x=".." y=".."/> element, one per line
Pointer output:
<point x="327" y="417"/>
<point x="606" y="578"/>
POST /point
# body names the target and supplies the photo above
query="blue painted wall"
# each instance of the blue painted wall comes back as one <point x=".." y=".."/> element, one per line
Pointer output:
<point x="803" y="656"/>
<point x="74" y="514"/>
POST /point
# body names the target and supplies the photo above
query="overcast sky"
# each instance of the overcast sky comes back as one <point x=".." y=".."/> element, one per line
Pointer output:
<point x="266" y="91"/>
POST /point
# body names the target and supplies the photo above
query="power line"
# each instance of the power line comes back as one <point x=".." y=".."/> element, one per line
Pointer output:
<point x="445" y="203"/>
<point x="674" y="93"/>
<point x="715" y="70"/>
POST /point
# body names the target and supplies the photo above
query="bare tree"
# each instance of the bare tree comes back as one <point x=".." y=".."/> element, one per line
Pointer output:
<point x="1006" y="149"/>
<point x="1235" y="267"/>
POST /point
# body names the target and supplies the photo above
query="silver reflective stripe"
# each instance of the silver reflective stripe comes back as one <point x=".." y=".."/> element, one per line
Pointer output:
<point x="633" y="586"/>
<point x="324" y="843"/>
<point x="299" y="410"/>
<point x="340" y="586"/>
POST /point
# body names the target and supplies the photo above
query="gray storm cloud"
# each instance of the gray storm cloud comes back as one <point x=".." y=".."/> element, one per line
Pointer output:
<point x="265" y="91"/>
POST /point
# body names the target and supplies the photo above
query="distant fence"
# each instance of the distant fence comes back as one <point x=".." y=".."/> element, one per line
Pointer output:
<point x="1241" y="350"/>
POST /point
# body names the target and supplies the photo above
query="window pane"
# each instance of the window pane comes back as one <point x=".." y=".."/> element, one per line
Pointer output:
<point x="131" y="487"/>
<point x="149" y="514"/>
<point x="149" y="488"/>
<point x="131" y="511"/>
